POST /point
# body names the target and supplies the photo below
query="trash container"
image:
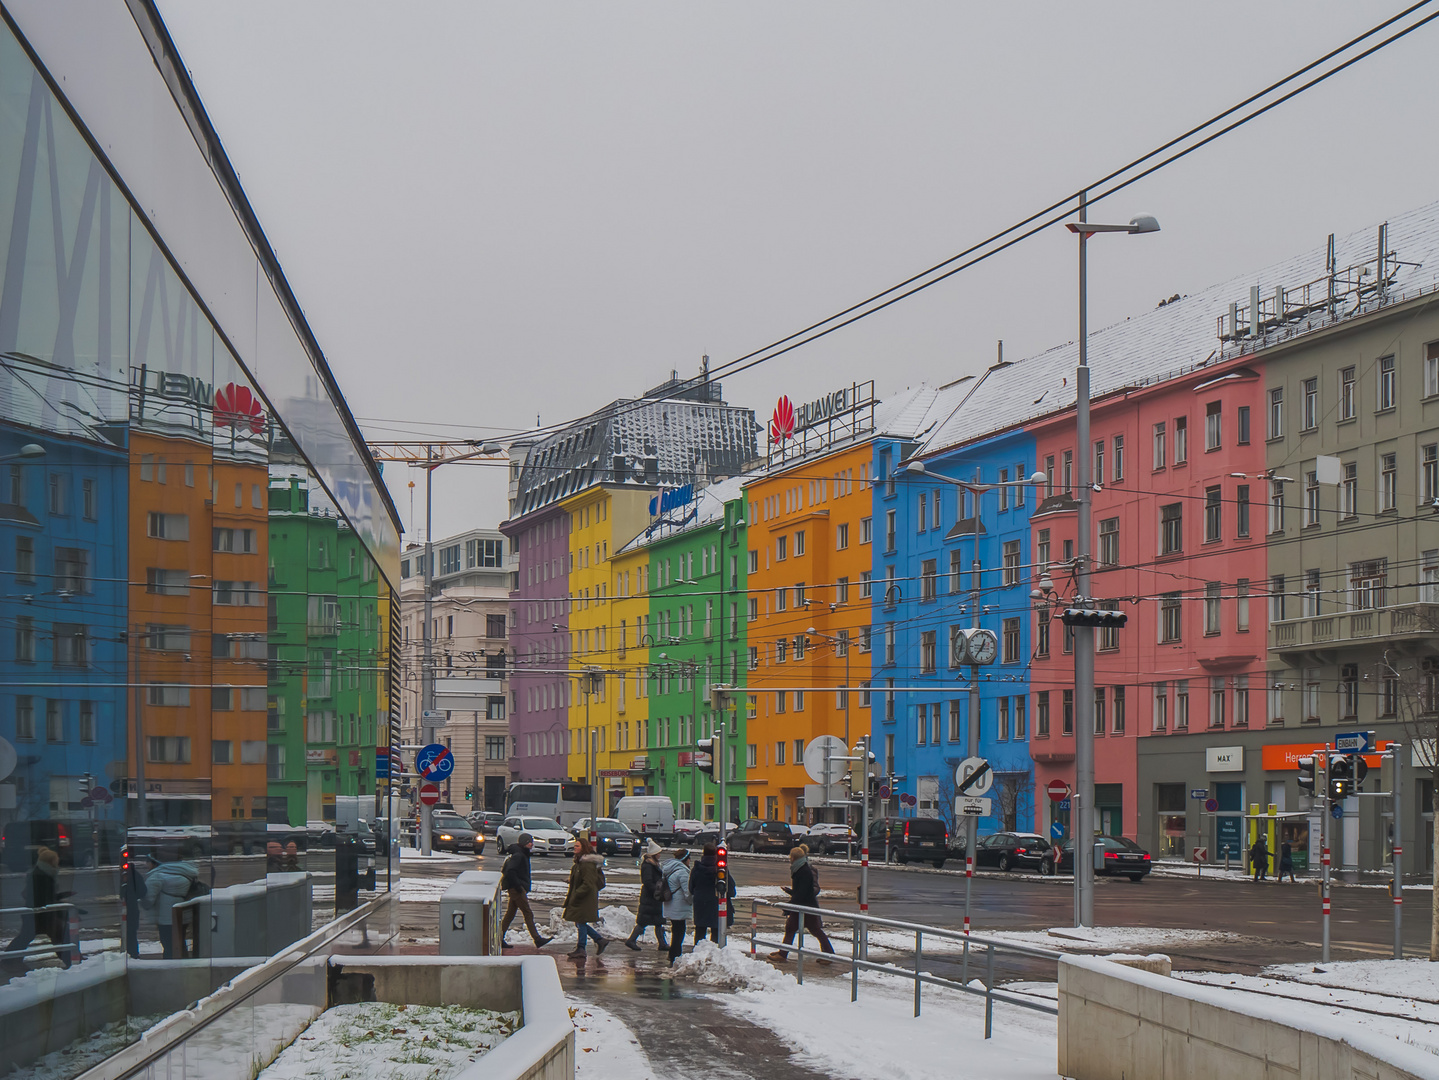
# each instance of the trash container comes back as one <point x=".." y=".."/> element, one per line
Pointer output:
<point x="347" y="875"/>
<point x="469" y="915"/>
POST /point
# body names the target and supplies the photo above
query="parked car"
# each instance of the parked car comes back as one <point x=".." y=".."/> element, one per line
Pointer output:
<point x="912" y="839"/>
<point x="450" y="832"/>
<point x="687" y="829"/>
<point x="550" y="837"/>
<point x="830" y="838"/>
<point x="1122" y="858"/>
<point x="648" y="815"/>
<point x="759" y="835"/>
<point x="1012" y="850"/>
<point x="613" y="837"/>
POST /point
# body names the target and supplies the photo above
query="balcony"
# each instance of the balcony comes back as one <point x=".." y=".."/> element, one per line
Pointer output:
<point x="1348" y="629"/>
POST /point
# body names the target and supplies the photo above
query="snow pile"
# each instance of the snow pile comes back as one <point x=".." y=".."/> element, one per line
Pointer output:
<point x="399" y="1042"/>
<point x="615" y="923"/>
<point x="730" y="968"/>
<point x="1122" y="938"/>
<point x="605" y="1049"/>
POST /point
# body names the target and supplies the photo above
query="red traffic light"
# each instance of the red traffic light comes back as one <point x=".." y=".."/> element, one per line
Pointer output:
<point x="721" y="856"/>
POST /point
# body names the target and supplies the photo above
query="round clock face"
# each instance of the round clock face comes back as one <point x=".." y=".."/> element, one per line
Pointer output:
<point x="983" y="647"/>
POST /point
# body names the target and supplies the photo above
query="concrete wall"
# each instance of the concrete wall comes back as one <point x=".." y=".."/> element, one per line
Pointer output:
<point x="1116" y="1023"/>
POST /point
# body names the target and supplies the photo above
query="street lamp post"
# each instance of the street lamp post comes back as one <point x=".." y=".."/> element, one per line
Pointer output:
<point x="1084" y="640"/>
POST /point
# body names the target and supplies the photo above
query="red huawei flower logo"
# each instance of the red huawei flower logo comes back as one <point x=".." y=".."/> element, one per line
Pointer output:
<point x="781" y="424"/>
<point x="237" y="407"/>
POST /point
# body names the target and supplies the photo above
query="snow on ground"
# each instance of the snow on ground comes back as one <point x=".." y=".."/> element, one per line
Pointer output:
<point x="729" y="968"/>
<point x="605" y="1049"/>
<point x="1060" y="939"/>
<point x="408" y="853"/>
<point x="830" y="1033"/>
<point x="90" y="1050"/>
<point x="1334" y="1010"/>
<point x="399" y="1042"/>
<point x="1415" y="978"/>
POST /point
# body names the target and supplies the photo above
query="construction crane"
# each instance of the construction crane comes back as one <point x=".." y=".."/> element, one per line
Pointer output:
<point x="432" y="454"/>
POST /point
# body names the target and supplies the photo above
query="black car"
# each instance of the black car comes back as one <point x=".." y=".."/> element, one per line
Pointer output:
<point x="1122" y="858"/>
<point x="905" y="840"/>
<point x="1009" y="851"/>
<point x="613" y="837"/>
<point x="486" y="821"/>
<point x="759" y="835"/>
<point x="450" y="832"/>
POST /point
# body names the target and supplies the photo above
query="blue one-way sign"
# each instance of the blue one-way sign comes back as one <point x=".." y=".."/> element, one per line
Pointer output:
<point x="1360" y="742"/>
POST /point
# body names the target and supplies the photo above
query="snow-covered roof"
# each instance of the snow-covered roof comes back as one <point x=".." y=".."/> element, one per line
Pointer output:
<point x="1184" y="333"/>
<point x="706" y="508"/>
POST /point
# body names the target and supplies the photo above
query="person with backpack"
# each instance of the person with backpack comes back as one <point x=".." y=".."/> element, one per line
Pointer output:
<point x="582" y="902"/>
<point x="675" y="892"/>
<point x="651" y="909"/>
<point x="172" y="881"/>
<point x="515" y="880"/>
<point x="803" y="892"/>
<point x="704" y="883"/>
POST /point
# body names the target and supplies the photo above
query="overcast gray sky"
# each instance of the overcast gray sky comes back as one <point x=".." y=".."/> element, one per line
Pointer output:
<point x="493" y="211"/>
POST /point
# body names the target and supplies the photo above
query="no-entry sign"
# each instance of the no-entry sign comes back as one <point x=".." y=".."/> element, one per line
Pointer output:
<point x="429" y="794"/>
<point x="1057" y="790"/>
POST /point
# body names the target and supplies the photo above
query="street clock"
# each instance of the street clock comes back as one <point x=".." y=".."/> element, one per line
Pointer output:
<point x="975" y="646"/>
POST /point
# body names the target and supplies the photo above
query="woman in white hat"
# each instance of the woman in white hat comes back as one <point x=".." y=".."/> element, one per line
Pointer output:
<point x="651" y="910"/>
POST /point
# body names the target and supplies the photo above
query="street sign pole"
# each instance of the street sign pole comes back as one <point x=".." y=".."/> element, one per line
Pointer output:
<point x="1324" y="854"/>
<point x="864" y="846"/>
<point x="1397" y="775"/>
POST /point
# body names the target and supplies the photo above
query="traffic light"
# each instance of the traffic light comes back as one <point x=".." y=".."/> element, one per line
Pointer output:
<point x="1361" y="769"/>
<point x="1076" y="616"/>
<point x="709" y="748"/>
<point x="1307" y="765"/>
<point x="722" y="873"/>
<point x="1341" y="776"/>
<point x="469" y="794"/>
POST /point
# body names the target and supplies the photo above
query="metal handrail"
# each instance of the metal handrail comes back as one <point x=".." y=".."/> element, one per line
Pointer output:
<point x="859" y="956"/>
<point x="40" y="950"/>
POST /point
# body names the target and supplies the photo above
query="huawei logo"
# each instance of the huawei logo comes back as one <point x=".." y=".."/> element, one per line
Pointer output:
<point x="237" y="407"/>
<point x="781" y="424"/>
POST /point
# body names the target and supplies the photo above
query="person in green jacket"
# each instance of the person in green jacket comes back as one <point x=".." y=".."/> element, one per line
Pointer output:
<point x="582" y="902"/>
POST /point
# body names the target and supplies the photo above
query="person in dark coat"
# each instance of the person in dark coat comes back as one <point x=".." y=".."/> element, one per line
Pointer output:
<point x="41" y="889"/>
<point x="651" y="909"/>
<point x="1259" y="859"/>
<point x="582" y="902"/>
<point x="804" y="892"/>
<point x="1286" y="863"/>
<point x="704" y="881"/>
<point x="515" y="880"/>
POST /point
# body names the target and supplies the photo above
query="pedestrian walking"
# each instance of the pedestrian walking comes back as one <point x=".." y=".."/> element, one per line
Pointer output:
<point x="651" y="910"/>
<point x="170" y="882"/>
<point x="582" y="902"/>
<point x="1286" y="863"/>
<point x="675" y="891"/>
<point x="704" y="886"/>
<point x="515" y="880"/>
<point x="803" y="891"/>
<point x="1259" y="859"/>
<point x="41" y="890"/>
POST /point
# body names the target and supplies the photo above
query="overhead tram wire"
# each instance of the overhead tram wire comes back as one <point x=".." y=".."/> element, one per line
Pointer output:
<point x="1093" y="192"/>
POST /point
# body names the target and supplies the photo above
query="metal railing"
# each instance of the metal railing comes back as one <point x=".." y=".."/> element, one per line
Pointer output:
<point x="859" y="960"/>
<point x="55" y="947"/>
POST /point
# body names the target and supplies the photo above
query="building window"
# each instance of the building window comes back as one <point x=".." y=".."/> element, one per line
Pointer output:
<point x="1181" y="439"/>
<point x="1389" y="702"/>
<point x="1216" y="701"/>
<point x="1241" y="510"/>
<point x="889" y="530"/>
<point x="72" y="645"/>
<point x="1067" y="706"/>
<point x="866" y="584"/>
<point x="1349" y="491"/>
<point x="798" y="548"/>
<point x="1431" y="369"/>
<point x="1068" y="471"/>
<point x="1276" y="412"/>
<point x="25" y="558"/>
<point x="889" y="643"/>
<point x="1048" y="476"/>
<point x="866" y="530"/>
<point x="1241" y="602"/>
<point x="89" y="731"/>
<point x="1099" y="718"/>
<point x="1011" y="563"/>
<point x="1387" y="383"/>
<point x="1311" y="694"/>
<point x="928" y="579"/>
<point x="1003" y="493"/>
<point x="1181" y="705"/>
<point x="1041" y="634"/>
<point x="1388" y="482"/>
<point x="1311" y="405"/>
<point x="1348" y="691"/>
<point x="59" y="493"/>
<point x="1171" y="528"/>
<point x="1002" y="722"/>
<point x="1160" y="446"/>
<point x="1367" y="583"/>
<point x="168" y="749"/>
<point x="1242" y="425"/>
<point x="1276" y="506"/>
<point x="1011" y="641"/>
<point x="1109" y="542"/>
<point x="1211" y="608"/>
<point x="1041" y="714"/>
<point x="1213" y="514"/>
<point x="72" y="570"/>
<point x="841" y="591"/>
<point x="1096" y="474"/>
<point x="1276" y="598"/>
<point x="922" y="517"/>
<point x="1429" y="577"/>
<point x="1116" y="723"/>
<point x="1212" y="425"/>
<point x="1118" y="458"/>
<point x="1311" y="498"/>
<point x="926" y="651"/>
<point x="1171" y="619"/>
<point x="841" y="536"/>
<point x="1276" y="700"/>
<point x="1108" y="635"/>
<point x="25" y="639"/>
<point x="781" y="548"/>
<point x="1429" y="466"/>
<point x="1313" y="604"/>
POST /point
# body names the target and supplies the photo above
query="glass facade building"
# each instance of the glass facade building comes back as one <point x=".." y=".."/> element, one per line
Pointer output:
<point x="197" y="554"/>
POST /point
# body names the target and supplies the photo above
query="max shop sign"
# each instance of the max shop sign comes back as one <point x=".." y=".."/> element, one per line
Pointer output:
<point x="1224" y="759"/>
<point x="789" y="418"/>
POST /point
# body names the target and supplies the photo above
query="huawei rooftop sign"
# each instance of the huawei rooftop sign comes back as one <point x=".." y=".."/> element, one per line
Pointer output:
<point x="781" y="424"/>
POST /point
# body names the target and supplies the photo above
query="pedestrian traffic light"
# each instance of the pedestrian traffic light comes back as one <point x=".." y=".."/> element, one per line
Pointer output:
<point x="721" y="872"/>
<point x="1093" y="617"/>
<point x="705" y="760"/>
<point x="1341" y="777"/>
<point x="469" y="794"/>
<point x="1307" y="766"/>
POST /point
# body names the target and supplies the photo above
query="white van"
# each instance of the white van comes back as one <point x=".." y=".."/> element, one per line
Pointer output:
<point x="648" y="815"/>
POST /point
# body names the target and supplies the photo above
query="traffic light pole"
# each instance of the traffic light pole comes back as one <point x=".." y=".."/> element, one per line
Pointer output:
<point x="1397" y="776"/>
<point x="1324" y="856"/>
